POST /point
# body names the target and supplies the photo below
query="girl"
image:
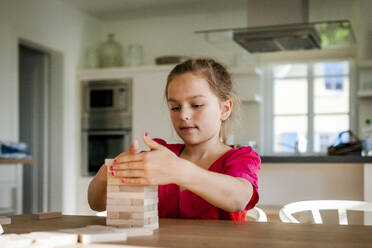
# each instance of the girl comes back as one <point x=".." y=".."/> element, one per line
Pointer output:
<point x="204" y="177"/>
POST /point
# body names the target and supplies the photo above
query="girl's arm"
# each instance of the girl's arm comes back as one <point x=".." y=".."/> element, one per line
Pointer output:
<point x="97" y="190"/>
<point x="222" y="191"/>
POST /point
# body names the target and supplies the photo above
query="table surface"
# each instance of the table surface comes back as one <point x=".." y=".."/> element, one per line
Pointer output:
<point x="16" y="161"/>
<point x="216" y="233"/>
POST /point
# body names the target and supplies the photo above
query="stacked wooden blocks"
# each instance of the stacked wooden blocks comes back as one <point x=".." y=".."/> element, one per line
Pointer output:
<point x="130" y="206"/>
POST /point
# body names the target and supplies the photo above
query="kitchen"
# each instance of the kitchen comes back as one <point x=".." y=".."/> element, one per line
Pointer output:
<point x="68" y="32"/>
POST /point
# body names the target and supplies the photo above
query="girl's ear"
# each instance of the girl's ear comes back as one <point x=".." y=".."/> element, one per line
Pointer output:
<point x="226" y="108"/>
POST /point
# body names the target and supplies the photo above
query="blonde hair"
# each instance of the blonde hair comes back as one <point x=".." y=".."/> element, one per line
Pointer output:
<point x="219" y="80"/>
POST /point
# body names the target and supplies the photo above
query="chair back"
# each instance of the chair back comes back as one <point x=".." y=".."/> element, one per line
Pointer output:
<point x="342" y="207"/>
<point x="257" y="214"/>
<point x="101" y="214"/>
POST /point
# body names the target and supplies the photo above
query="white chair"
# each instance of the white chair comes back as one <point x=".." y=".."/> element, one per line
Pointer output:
<point x="257" y="214"/>
<point x="286" y="211"/>
<point x="101" y="214"/>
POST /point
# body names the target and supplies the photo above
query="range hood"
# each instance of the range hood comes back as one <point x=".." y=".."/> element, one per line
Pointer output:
<point x="284" y="25"/>
<point x="290" y="37"/>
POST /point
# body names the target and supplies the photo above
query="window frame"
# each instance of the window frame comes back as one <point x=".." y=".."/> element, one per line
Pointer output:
<point x="268" y="105"/>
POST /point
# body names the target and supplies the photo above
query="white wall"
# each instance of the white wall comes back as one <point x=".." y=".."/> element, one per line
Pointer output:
<point x="172" y="33"/>
<point x="57" y="27"/>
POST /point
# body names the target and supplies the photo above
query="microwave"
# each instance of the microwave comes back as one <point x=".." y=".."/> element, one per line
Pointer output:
<point x="102" y="97"/>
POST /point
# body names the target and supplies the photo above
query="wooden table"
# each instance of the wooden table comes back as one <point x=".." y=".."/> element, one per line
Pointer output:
<point x="217" y="233"/>
<point x="16" y="161"/>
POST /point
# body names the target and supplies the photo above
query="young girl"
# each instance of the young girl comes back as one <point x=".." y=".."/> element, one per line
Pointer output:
<point x="204" y="177"/>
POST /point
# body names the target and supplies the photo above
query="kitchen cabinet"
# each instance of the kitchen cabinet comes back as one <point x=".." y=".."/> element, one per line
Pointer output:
<point x="364" y="95"/>
<point x="365" y="79"/>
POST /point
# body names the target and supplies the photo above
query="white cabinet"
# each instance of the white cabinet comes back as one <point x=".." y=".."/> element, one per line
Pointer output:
<point x="365" y="79"/>
<point x="248" y="85"/>
<point x="364" y="92"/>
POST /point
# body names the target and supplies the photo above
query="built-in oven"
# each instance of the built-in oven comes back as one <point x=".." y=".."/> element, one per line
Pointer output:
<point x="106" y="121"/>
<point x="99" y="145"/>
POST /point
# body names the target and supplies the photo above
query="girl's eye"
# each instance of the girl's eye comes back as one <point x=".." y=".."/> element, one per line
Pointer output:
<point x="197" y="105"/>
<point x="175" y="108"/>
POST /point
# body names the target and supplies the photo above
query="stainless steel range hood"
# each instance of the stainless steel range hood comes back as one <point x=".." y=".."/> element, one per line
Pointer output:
<point x="284" y="25"/>
<point x="301" y="36"/>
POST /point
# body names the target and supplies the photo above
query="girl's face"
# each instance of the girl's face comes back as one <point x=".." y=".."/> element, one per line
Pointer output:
<point x="196" y="112"/>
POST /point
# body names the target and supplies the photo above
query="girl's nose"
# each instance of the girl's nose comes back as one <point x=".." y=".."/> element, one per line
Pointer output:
<point x="185" y="114"/>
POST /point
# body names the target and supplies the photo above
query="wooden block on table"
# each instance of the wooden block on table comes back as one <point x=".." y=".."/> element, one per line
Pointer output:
<point x="51" y="239"/>
<point x="131" y="232"/>
<point x="132" y="202"/>
<point x="14" y="240"/>
<point x="130" y="188"/>
<point x="132" y="222"/>
<point x="95" y="233"/>
<point x="133" y="209"/>
<point x="137" y="231"/>
<point x="129" y="215"/>
<point x="131" y="195"/>
<point x="47" y="215"/>
<point x="5" y="220"/>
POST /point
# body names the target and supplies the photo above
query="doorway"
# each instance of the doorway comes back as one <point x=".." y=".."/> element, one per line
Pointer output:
<point x="34" y="80"/>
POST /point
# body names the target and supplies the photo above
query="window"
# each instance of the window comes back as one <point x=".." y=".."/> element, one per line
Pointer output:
<point x="310" y="106"/>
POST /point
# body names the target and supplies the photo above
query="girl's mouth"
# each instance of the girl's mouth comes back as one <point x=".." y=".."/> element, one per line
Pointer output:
<point x="187" y="129"/>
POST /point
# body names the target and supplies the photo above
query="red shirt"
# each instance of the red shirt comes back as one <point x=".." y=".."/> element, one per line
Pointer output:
<point x="241" y="162"/>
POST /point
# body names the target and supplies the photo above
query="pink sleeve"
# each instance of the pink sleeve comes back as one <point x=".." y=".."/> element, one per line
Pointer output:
<point x="245" y="163"/>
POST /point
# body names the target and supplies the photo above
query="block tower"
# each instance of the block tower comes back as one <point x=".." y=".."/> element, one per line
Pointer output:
<point x="130" y="206"/>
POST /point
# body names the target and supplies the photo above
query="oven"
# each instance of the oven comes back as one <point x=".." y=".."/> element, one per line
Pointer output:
<point x="101" y="144"/>
<point x="106" y="121"/>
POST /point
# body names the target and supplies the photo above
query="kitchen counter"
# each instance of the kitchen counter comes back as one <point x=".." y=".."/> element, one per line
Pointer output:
<point x="316" y="159"/>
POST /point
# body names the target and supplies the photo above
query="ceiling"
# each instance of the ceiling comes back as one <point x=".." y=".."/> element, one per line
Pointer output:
<point x="122" y="9"/>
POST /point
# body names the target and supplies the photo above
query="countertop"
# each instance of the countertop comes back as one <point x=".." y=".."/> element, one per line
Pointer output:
<point x="316" y="159"/>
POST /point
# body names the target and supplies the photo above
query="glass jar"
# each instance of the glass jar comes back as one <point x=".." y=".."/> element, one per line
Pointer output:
<point x="134" y="55"/>
<point x="110" y="53"/>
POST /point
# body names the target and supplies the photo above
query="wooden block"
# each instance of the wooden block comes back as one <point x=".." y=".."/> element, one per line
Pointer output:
<point x="152" y="226"/>
<point x="131" y="195"/>
<point x="5" y="220"/>
<point x="129" y="215"/>
<point x="51" y="239"/>
<point x="132" y="202"/>
<point x="133" y="209"/>
<point x="132" y="222"/>
<point x="14" y="240"/>
<point x="95" y="233"/>
<point x="108" y="162"/>
<point x="47" y="215"/>
<point x="131" y="232"/>
<point x="137" y="231"/>
<point x="127" y="188"/>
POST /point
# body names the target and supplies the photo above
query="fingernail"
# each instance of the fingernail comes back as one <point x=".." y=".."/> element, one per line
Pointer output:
<point x="123" y="180"/>
<point x="111" y="167"/>
<point x="113" y="173"/>
<point x="115" y="160"/>
<point x="145" y="133"/>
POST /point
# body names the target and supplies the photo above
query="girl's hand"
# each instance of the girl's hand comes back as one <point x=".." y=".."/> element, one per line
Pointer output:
<point x="156" y="167"/>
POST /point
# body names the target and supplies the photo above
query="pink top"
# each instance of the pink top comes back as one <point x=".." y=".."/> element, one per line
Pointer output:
<point x="241" y="162"/>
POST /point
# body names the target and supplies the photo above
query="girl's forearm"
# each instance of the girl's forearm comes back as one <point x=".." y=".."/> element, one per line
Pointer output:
<point x="97" y="190"/>
<point x="222" y="191"/>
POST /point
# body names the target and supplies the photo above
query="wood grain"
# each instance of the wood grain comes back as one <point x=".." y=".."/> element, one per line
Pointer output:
<point x="217" y="233"/>
<point x="16" y="161"/>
